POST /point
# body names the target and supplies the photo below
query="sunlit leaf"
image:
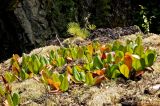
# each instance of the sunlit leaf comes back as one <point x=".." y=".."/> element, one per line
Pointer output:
<point x="60" y="61"/>
<point x="124" y="70"/>
<point x="2" y="90"/>
<point x="23" y="74"/>
<point x="83" y="76"/>
<point x="64" y="84"/>
<point x="115" y="73"/>
<point x="54" y="84"/>
<point x="9" y="100"/>
<point x="97" y="63"/>
<point x="112" y="71"/>
<point x="80" y="52"/>
<point x="128" y="60"/>
<point x="110" y="57"/>
<point x="55" y="78"/>
<point x="16" y="99"/>
<point x="90" y="49"/>
<point x="103" y="48"/>
<point x="139" y="50"/>
<point x="136" y="64"/>
<point x="42" y="60"/>
<point x="15" y="58"/>
<point x="69" y="69"/>
<point x="99" y="72"/>
<point x="115" y="46"/>
<point x="15" y="67"/>
<point x="118" y="56"/>
<point x="89" y="79"/>
<point x="76" y="74"/>
<point x="9" y="77"/>
<point x="138" y="40"/>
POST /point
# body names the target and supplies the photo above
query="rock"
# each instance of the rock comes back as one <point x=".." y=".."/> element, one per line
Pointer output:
<point x="32" y="16"/>
<point x="115" y="33"/>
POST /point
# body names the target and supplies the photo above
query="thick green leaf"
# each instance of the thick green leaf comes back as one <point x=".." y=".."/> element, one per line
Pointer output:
<point x="42" y="60"/>
<point x="89" y="57"/>
<point x="73" y="52"/>
<point x="115" y="46"/>
<point x="9" y="77"/>
<point x="80" y="52"/>
<point x="55" y="77"/>
<point x="115" y="73"/>
<point x="76" y="74"/>
<point x="15" y="99"/>
<point x="52" y="55"/>
<point x="9" y="100"/>
<point x="124" y="70"/>
<point x="30" y="67"/>
<point x="136" y="64"/>
<point x="129" y="49"/>
<point x="60" y="61"/>
<point x="139" y="50"/>
<point x="90" y="49"/>
<point x="110" y="57"/>
<point x="2" y="90"/>
<point x="89" y="79"/>
<point x="46" y="61"/>
<point x="35" y="67"/>
<point x="150" y="59"/>
<point x="83" y="76"/>
<point x="138" y="40"/>
<point x="23" y="74"/>
<point x="97" y="63"/>
<point x="142" y="61"/>
<point x="64" y="84"/>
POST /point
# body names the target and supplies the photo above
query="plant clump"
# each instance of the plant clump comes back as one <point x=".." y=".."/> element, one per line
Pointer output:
<point x="88" y="64"/>
<point x="75" y="30"/>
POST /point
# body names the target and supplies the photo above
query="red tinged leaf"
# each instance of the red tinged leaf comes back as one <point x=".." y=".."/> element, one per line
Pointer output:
<point x="103" y="48"/>
<point x="99" y="72"/>
<point x="15" y="68"/>
<point x="128" y="60"/>
<point x="55" y="85"/>
<point x="103" y="56"/>
<point x="15" y="57"/>
<point x="99" y="79"/>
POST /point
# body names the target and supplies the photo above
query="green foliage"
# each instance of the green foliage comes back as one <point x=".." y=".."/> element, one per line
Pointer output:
<point x="99" y="62"/>
<point x="64" y="84"/>
<point x="91" y="27"/>
<point x="13" y="100"/>
<point x="124" y="70"/>
<point x="75" y="30"/>
<point x="146" y="22"/>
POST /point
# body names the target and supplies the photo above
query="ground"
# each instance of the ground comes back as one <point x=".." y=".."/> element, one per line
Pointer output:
<point x="117" y="92"/>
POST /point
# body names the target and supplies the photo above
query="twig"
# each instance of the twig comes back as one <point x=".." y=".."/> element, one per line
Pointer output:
<point x="19" y="79"/>
<point x="59" y="40"/>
